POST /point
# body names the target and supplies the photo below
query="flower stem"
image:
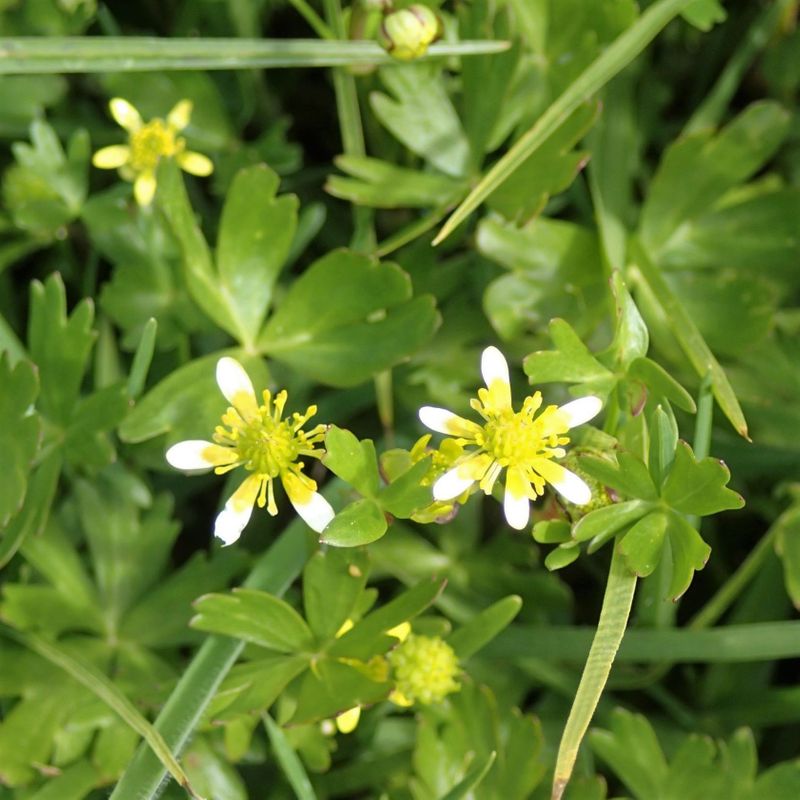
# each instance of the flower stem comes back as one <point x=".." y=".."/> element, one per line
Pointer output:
<point x="614" y="615"/>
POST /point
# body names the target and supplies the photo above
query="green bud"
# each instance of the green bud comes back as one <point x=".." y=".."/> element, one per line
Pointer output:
<point x="406" y="33"/>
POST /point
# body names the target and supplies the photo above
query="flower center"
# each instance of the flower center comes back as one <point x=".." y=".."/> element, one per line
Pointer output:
<point x="150" y="143"/>
<point x="425" y="669"/>
<point x="266" y="444"/>
<point x="517" y="439"/>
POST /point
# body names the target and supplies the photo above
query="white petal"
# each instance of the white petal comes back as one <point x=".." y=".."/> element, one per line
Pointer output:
<point x="437" y="419"/>
<point x="451" y="485"/>
<point x="190" y="455"/>
<point x="517" y="510"/>
<point x="236" y="385"/>
<point x="494" y="367"/>
<point x="581" y="410"/>
<point x="316" y="512"/>
<point x="572" y="488"/>
<point x="232" y="519"/>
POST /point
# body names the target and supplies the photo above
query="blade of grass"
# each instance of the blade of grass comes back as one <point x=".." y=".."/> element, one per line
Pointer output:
<point x="613" y="59"/>
<point x="691" y="340"/>
<point x="104" y="688"/>
<point x="290" y="763"/>
<point x="274" y="572"/>
<point x="757" y="641"/>
<point x="64" y="54"/>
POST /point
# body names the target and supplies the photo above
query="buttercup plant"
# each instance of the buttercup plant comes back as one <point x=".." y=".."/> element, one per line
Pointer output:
<point x="256" y="437"/>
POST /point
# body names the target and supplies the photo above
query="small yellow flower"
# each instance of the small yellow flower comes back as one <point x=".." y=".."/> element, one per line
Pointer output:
<point x="406" y="33"/>
<point x="148" y="143"/>
<point x="256" y="437"/>
<point x="425" y="669"/>
<point x="520" y="442"/>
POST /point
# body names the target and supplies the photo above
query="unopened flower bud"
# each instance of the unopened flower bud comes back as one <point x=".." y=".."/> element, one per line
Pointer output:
<point x="407" y="33"/>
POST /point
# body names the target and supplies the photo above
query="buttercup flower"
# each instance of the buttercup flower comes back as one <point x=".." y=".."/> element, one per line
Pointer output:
<point x="148" y="143"/>
<point x="254" y="436"/>
<point x="520" y="442"/>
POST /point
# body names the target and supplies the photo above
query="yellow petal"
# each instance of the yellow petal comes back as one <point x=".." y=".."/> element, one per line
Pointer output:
<point x="315" y="510"/>
<point x="400" y="631"/>
<point x="195" y="163"/>
<point x="194" y="454"/>
<point x="494" y="369"/>
<point x="144" y="188"/>
<point x="516" y="505"/>
<point x="347" y="721"/>
<point x="180" y="115"/>
<point x="566" y="483"/>
<point x="125" y="114"/>
<point x="112" y="157"/>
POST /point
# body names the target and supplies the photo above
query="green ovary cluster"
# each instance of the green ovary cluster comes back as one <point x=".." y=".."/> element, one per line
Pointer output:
<point x="268" y="448"/>
<point x="150" y="143"/>
<point x="516" y="440"/>
<point x="425" y="669"/>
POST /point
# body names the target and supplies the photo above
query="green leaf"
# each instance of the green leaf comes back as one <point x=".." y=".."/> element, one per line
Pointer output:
<point x="422" y="116"/>
<point x="609" y="520"/>
<point x="699" y="487"/>
<point x="142" y="359"/>
<point x="254" y="686"/>
<point x="380" y="184"/>
<point x="407" y="494"/>
<point x="21" y="432"/>
<point x="86" y="441"/>
<point x="201" y="279"/>
<point x="333" y="581"/>
<point x="548" y="171"/>
<point x="256" y="617"/>
<point x="346" y="318"/>
<point x="334" y="687"/>
<point x="631" y="338"/>
<point x="359" y="523"/>
<point x="659" y="381"/>
<point x="59" y="345"/>
<point x="570" y="362"/>
<point x="360" y="640"/>
<point x="187" y="404"/>
<point x="210" y="772"/>
<point x="629" y="476"/>
<point x="32" y="518"/>
<point x="704" y="14"/>
<point x="689" y="554"/>
<point x="475" y="774"/>
<point x="352" y="460"/>
<point x="663" y="440"/>
<point x="643" y="544"/>
<point x="73" y="783"/>
<point x="787" y="546"/>
<point x="698" y="169"/>
<point x="552" y="531"/>
<point x="633" y="752"/>
<point x="255" y="234"/>
<point x="484" y="626"/>
<point x="562" y="556"/>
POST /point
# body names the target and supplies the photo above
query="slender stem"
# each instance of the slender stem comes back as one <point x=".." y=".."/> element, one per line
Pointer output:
<point x="313" y="19"/>
<point x="734" y="586"/>
<point x="705" y="414"/>
<point x="709" y="113"/>
<point x="351" y="129"/>
<point x="614" y="615"/>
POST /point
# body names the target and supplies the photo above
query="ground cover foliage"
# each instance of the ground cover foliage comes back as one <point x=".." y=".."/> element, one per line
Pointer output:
<point x="595" y="200"/>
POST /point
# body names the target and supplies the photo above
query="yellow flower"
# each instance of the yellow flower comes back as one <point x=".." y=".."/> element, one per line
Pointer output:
<point x="520" y="442"/>
<point x="406" y="33"/>
<point x="447" y="454"/>
<point x="256" y="437"/>
<point x="425" y="669"/>
<point x="148" y="143"/>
